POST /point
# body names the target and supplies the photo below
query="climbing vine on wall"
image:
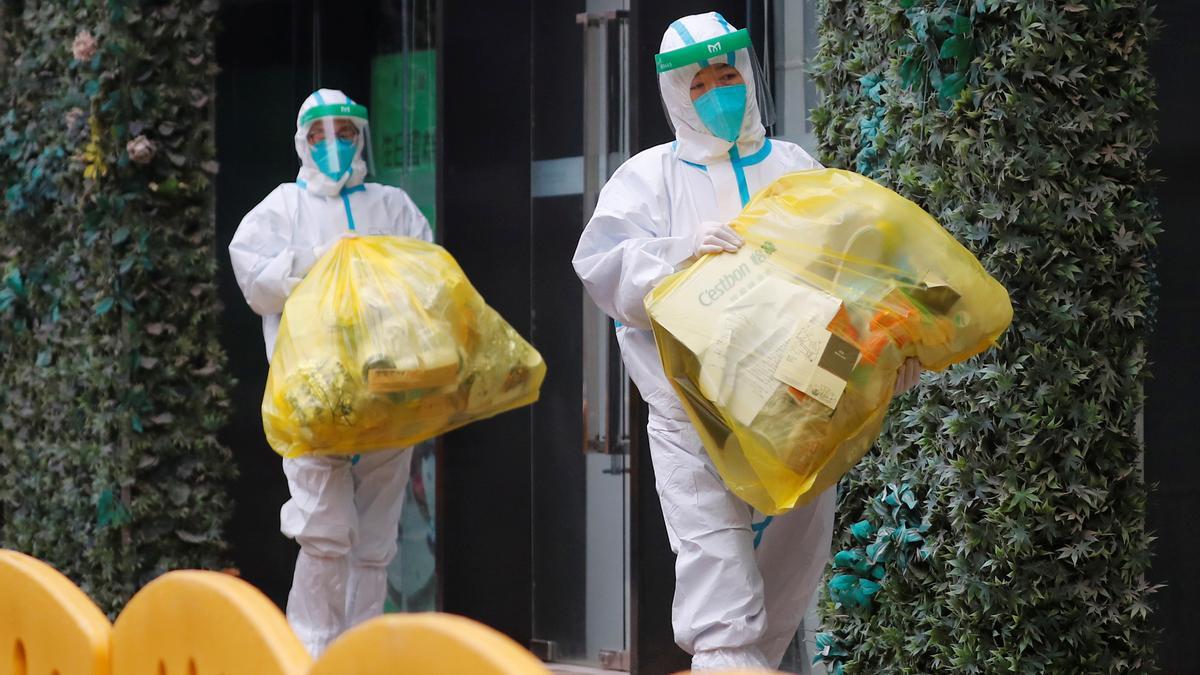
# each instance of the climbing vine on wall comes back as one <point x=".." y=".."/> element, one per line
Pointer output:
<point x="112" y="383"/>
<point x="1023" y="126"/>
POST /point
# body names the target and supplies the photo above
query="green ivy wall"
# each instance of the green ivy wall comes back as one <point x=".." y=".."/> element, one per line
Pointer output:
<point x="112" y="384"/>
<point x="1024" y="127"/>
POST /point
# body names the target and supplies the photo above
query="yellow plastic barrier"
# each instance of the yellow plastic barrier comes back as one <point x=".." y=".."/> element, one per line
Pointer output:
<point x="204" y="623"/>
<point x="192" y="622"/>
<point x="47" y="625"/>
<point x="426" y="644"/>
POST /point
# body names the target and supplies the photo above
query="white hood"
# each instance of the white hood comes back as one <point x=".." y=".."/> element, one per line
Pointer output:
<point x="310" y="176"/>
<point x="695" y="142"/>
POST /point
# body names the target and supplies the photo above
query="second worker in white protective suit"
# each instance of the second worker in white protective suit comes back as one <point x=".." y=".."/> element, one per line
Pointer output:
<point x="343" y="513"/>
<point x="742" y="581"/>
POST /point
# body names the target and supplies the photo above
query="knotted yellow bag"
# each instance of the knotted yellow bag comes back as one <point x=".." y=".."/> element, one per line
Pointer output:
<point x="384" y="344"/>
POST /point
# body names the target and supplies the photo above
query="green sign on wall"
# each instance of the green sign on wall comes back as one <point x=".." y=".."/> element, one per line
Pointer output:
<point x="404" y="124"/>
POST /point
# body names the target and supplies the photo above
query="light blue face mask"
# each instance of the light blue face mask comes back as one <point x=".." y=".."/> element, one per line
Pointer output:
<point x="345" y="156"/>
<point x="722" y="109"/>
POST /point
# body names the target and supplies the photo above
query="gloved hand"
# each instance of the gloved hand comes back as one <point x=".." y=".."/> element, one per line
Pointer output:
<point x="715" y="238"/>
<point x="320" y="251"/>
<point x="908" y="376"/>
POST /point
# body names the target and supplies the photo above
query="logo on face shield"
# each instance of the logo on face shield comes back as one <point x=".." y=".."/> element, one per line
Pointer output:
<point x="714" y="48"/>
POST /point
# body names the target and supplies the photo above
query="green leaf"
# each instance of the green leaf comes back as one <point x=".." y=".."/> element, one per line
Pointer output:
<point x="952" y="86"/>
<point x="169" y="186"/>
<point x="963" y="25"/>
<point x="862" y="530"/>
<point x="14" y="281"/>
<point x="110" y="512"/>
<point x="120" y="236"/>
<point x="104" y="306"/>
<point x="956" y="47"/>
<point x="921" y="28"/>
<point x="935" y="76"/>
<point x="909" y="71"/>
<point x="116" y="9"/>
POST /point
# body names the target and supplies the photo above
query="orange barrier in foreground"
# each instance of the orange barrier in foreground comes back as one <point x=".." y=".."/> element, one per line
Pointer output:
<point x="48" y="626"/>
<point x="192" y="622"/>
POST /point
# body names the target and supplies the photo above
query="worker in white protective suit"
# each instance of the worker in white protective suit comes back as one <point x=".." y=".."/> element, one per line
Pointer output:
<point x="343" y="513"/>
<point x="743" y="581"/>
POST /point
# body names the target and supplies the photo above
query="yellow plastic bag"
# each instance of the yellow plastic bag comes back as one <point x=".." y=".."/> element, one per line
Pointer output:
<point x="785" y="354"/>
<point x="384" y="344"/>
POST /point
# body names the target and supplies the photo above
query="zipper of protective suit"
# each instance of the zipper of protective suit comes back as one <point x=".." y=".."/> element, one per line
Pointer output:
<point x="346" y="202"/>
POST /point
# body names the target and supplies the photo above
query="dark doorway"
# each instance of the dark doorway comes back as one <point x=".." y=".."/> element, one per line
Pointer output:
<point x="1172" y="460"/>
<point x="273" y="54"/>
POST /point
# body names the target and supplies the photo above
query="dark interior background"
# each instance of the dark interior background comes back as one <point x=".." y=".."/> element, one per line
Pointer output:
<point x="265" y="49"/>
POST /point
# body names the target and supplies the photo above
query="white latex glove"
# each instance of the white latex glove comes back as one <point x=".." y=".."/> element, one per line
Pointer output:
<point x="908" y="376"/>
<point x="716" y="238"/>
<point x="320" y="251"/>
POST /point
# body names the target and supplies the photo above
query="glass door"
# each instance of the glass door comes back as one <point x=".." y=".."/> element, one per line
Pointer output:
<point x="403" y="108"/>
<point x="581" y="480"/>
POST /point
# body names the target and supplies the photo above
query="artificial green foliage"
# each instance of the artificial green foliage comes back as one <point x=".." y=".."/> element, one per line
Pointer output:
<point x="1027" y="459"/>
<point x="830" y="651"/>
<point x="892" y="537"/>
<point x="112" y="384"/>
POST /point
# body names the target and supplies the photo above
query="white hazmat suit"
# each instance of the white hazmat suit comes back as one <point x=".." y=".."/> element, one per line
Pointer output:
<point x="743" y="582"/>
<point x="344" y="514"/>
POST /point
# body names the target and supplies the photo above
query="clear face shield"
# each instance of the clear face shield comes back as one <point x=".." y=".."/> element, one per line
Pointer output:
<point x="721" y="77"/>
<point x="338" y="134"/>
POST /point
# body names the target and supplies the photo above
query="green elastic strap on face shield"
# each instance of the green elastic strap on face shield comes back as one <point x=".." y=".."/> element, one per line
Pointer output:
<point x="334" y="110"/>
<point x="701" y="51"/>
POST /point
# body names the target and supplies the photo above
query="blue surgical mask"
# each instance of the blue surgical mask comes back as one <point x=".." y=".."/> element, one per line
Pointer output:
<point x="345" y="156"/>
<point x="722" y="109"/>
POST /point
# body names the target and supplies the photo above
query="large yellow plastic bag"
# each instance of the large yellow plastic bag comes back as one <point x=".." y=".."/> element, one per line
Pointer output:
<point x="785" y="354"/>
<point x="384" y="344"/>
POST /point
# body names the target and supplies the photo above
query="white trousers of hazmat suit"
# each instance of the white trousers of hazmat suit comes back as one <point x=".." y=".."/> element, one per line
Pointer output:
<point x="344" y="515"/>
<point x="742" y="581"/>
